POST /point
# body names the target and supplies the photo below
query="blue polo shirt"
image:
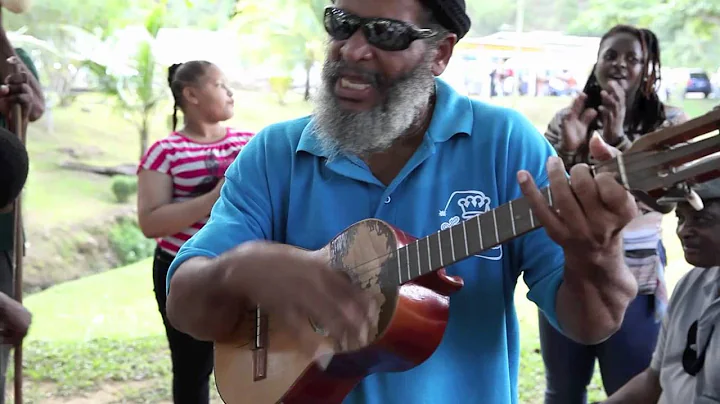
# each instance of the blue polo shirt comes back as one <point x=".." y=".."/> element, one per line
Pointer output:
<point x="283" y="188"/>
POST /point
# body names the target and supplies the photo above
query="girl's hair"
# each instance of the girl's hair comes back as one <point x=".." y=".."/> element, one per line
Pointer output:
<point x="179" y="76"/>
<point x="649" y="110"/>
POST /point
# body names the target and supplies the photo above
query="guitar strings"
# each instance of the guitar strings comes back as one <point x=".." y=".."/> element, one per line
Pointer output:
<point x="629" y="161"/>
<point x="384" y="256"/>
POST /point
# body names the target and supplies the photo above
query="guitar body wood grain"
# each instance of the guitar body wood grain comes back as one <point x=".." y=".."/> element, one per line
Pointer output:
<point x="409" y="326"/>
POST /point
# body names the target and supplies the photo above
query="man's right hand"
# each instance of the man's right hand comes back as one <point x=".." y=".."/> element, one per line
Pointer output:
<point x="575" y="124"/>
<point x="298" y="286"/>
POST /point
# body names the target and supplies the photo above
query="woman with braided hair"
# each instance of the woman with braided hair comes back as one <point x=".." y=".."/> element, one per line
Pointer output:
<point x="179" y="180"/>
<point x="620" y="104"/>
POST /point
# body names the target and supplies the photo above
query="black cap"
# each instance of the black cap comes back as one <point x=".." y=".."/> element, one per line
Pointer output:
<point x="451" y="14"/>
<point x="708" y="190"/>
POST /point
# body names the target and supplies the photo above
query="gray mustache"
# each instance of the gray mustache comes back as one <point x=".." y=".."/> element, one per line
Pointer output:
<point x="333" y="71"/>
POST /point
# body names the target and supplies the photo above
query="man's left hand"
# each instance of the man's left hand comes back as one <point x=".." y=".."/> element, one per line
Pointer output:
<point x="587" y="216"/>
<point x="16" y="90"/>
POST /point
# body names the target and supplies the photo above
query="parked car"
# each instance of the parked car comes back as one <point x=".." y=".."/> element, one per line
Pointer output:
<point x="698" y="82"/>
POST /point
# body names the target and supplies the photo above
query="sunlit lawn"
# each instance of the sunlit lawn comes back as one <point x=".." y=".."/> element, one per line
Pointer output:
<point x="105" y="327"/>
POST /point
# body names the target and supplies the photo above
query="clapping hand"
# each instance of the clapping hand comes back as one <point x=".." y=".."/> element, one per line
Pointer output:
<point x="575" y="124"/>
<point x="612" y="112"/>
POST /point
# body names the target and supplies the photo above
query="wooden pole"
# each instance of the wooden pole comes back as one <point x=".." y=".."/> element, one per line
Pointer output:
<point x="18" y="125"/>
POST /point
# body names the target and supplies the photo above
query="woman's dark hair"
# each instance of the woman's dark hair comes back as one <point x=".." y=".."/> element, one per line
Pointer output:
<point x="179" y="76"/>
<point x="14" y="166"/>
<point x="650" y="112"/>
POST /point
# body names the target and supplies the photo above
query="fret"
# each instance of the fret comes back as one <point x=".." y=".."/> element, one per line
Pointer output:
<point x="512" y="218"/>
<point x="532" y="218"/>
<point x="424" y="257"/>
<point x="479" y="229"/>
<point x="435" y="253"/>
<point x="523" y="216"/>
<point x="459" y="239"/>
<point x="399" y="265"/>
<point x="487" y="228"/>
<point x="414" y="259"/>
<point x="473" y="236"/>
<point x="452" y="244"/>
<point x="495" y="225"/>
<point x="403" y="261"/>
<point x="506" y="223"/>
<point x="440" y="247"/>
<point x="447" y="254"/>
<point x="417" y="248"/>
<point x="407" y="255"/>
<point x="467" y="252"/>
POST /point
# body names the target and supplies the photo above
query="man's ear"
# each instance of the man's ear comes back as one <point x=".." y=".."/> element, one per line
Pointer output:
<point x="443" y="54"/>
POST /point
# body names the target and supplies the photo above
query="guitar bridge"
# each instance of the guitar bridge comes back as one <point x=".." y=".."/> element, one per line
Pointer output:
<point x="260" y="346"/>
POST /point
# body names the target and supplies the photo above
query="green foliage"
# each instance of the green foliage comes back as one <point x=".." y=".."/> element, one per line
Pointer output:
<point x="293" y="37"/>
<point x="123" y="188"/>
<point x="688" y="29"/>
<point x="280" y="85"/>
<point x="129" y="243"/>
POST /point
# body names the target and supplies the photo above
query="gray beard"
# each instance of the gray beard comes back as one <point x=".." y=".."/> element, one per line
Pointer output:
<point x="363" y="133"/>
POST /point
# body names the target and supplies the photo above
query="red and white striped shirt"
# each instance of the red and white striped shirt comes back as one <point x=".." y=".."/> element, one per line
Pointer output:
<point x="195" y="168"/>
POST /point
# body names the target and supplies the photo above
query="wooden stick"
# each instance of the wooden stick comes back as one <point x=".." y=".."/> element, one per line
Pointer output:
<point x="19" y="240"/>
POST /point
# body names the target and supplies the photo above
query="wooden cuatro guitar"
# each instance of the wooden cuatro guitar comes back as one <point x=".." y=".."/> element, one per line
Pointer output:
<point x="406" y="277"/>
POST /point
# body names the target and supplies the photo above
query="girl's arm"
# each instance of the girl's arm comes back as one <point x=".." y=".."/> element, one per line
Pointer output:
<point x="158" y="216"/>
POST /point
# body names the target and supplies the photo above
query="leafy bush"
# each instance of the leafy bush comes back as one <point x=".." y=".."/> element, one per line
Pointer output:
<point x="123" y="188"/>
<point x="129" y="243"/>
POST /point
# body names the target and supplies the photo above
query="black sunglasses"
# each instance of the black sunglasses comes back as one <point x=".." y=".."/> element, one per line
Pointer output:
<point x="382" y="33"/>
<point x="690" y="360"/>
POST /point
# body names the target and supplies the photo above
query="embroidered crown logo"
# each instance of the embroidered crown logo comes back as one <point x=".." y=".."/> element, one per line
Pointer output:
<point x="473" y="205"/>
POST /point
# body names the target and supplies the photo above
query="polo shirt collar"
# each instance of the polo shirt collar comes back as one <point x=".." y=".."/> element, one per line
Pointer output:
<point x="452" y="116"/>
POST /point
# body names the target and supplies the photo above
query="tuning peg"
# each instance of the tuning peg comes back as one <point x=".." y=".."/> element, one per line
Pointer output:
<point x="695" y="201"/>
<point x="682" y="193"/>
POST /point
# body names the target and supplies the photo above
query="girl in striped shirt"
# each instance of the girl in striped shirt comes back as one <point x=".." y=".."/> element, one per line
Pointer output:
<point x="179" y="180"/>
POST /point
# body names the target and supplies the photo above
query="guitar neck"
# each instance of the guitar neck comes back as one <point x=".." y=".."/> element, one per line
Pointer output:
<point x="468" y="238"/>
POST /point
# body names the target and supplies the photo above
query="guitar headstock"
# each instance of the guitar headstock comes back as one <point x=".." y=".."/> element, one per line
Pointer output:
<point x="660" y="168"/>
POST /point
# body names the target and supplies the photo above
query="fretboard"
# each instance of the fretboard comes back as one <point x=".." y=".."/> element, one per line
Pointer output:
<point x="467" y="238"/>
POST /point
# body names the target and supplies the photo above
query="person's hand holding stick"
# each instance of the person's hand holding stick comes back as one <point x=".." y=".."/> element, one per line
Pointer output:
<point x="16" y="92"/>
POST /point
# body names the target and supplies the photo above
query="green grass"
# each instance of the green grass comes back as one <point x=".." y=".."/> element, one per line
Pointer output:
<point x="104" y="327"/>
<point x="101" y="329"/>
<point x="115" y="304"/>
